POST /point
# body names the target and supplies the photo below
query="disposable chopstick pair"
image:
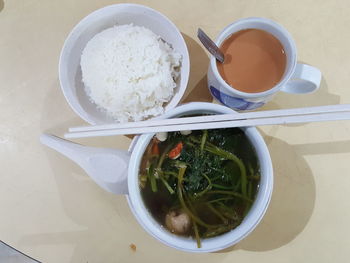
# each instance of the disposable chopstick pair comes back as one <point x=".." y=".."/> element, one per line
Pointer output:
<point x="259" y="118"/>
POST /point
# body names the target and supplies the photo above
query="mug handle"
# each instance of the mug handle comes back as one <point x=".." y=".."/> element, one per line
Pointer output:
<point x="305" y="79"/>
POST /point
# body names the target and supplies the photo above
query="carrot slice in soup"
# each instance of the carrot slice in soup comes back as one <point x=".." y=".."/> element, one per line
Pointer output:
<point x="176" y="151"/>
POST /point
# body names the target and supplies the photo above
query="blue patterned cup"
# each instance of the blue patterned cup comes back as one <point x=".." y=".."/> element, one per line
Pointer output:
<point x="298" y="78"/>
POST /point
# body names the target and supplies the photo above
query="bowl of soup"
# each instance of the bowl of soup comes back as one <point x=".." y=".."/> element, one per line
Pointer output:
<point x="200" y="191"/>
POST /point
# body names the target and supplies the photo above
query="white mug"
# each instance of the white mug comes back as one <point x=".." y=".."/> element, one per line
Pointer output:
<point x="298" y="78"/>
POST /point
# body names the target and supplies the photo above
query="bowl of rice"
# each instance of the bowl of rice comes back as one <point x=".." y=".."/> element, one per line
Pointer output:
<point x="124" y="62"/>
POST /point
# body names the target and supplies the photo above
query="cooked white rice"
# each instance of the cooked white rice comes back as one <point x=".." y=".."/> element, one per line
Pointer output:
<point x="129" y="72"/>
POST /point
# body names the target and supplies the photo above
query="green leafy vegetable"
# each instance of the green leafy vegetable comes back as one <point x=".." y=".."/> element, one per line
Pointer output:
<point x="214" y="180"/>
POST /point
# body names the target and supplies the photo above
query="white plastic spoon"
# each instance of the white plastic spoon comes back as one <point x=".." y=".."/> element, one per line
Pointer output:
<point x="107" y="167"/>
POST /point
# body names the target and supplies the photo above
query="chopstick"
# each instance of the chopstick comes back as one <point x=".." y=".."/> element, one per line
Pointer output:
<point x="274" y="117"/>
<point x="215" y="125"/>
<point x="213" y="118"/>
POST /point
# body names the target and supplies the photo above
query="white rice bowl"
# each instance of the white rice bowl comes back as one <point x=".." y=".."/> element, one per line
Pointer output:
<point x="129" y="72"/>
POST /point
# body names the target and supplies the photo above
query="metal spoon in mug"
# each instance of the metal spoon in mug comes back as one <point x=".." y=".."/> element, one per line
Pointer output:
<point x="210" y="45"/>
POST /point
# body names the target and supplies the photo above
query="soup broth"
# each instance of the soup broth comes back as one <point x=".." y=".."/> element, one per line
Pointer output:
<point x="200" y="185"/>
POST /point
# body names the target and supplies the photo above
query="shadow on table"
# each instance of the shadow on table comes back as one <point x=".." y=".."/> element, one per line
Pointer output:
<point x="2" y="4"/>
<point x="292" y="202"/>
<point x="318" y="98"/>
<point x="197" y="89"/>
<point x="293" y="197"/>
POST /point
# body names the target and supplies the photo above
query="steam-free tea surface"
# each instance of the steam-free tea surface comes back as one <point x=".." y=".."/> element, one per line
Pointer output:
<point x="254" y="60"/>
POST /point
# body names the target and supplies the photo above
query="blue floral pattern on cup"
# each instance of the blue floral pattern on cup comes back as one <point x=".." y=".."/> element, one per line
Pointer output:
<point x="233" y="102"/>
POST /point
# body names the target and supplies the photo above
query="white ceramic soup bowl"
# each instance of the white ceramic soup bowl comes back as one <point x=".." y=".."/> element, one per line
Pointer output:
<point x="211" y="244"/>
<point x="119" y="14"/>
